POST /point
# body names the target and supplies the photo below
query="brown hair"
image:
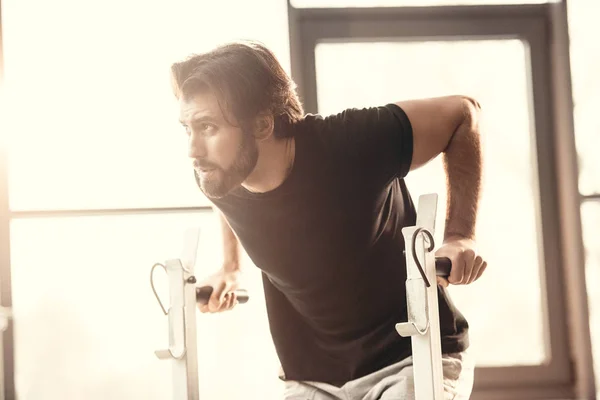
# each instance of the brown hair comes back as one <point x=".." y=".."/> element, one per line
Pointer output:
<point x="247" y="77"/>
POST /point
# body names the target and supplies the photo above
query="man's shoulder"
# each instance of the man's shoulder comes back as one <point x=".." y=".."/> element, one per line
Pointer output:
<point x="350" y="115"/>
<point x="320" y="126"/>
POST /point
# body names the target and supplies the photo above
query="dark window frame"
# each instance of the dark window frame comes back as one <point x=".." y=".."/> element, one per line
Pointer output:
<point x="542" y="28"/>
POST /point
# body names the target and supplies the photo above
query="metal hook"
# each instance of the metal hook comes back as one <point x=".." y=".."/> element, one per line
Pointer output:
<point x="428" y="238"/>
<point x="168" y="353"/>
<point x="160" y="303"/>
<point x="162" y="354"/>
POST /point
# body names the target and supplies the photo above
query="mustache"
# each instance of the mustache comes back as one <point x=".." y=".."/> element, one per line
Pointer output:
<point x="203" y="164"/>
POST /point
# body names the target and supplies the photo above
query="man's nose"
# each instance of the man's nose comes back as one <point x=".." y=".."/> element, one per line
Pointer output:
<point x="196" y="146"/>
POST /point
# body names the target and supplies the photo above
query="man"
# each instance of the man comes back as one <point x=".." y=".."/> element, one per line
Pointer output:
<point x="318" y="203"/>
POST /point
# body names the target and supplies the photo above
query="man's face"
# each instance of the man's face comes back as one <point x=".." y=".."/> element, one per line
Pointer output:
<point x="223" y="155"/>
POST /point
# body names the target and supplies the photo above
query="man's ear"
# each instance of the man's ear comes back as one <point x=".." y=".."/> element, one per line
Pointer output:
<point x="264" y="125"/>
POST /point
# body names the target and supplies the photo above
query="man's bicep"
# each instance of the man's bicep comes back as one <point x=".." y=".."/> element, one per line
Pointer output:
<point x="434" y="121"/>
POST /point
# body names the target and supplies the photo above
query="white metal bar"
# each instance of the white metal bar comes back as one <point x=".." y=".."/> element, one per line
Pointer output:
<point x="183" y="349"/>
<point x="177" y="346"/>
<point x="423" y="324"/>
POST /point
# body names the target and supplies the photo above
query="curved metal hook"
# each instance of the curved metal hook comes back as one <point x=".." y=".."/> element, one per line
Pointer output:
<point x="165" y="354"/>
<point x="407" y="329"/>
<point x="179" y="357"/>
<point x="429" y="238"/>
<point x="160" y="303"/>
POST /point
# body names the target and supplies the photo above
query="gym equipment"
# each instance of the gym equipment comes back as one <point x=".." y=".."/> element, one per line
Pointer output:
<point x="421" y="295"/>
<point x="423" y="325"/>
<point x="182" y="351"/>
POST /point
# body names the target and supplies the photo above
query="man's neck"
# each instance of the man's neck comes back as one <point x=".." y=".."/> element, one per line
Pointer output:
<point x="275" y="162"/>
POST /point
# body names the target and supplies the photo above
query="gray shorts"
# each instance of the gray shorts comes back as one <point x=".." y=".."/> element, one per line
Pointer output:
<point x="394" y="382"/>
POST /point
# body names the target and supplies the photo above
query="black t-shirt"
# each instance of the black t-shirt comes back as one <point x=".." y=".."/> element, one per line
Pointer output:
<point x="330" y="247"/>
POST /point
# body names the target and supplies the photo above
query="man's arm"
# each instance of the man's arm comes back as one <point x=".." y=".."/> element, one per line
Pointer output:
<point x="231" y="246"/>
<point x="226" y="280"/>
<point x="450" y="125"/>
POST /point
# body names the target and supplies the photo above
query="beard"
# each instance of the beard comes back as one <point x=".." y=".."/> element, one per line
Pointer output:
<point x="218" y="182"/>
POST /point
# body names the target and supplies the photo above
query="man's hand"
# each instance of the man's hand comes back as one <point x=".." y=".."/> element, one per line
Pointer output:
<point x="467" y="265"/>
<point x="224" y="283"/>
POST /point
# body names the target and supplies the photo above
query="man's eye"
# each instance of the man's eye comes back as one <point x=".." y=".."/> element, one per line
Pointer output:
<point x="207" y="128"/>
<point x="203" y="128"/>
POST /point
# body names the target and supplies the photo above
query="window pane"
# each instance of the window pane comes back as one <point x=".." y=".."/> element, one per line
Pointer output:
<point x="93" y="121"/>
<point x="388" y="72"/>
<point x="87" y="323"/>
<point x="590" y="219"/>
<point x="401" y="3"/>
<point x="585" y="64"/>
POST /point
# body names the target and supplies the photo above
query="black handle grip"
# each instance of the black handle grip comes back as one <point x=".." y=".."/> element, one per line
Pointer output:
<point x="443" y="265"/>
<point x="203" y="295"/>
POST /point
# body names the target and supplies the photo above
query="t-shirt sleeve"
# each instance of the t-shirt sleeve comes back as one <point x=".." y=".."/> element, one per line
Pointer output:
<point x="375" y="140"/>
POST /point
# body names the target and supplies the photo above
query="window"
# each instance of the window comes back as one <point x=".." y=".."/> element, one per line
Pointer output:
<point x="93" y="125"/>
<point x="501" y="57"/>
<point x="93" y="120"/>
<point x="376" y="73"/>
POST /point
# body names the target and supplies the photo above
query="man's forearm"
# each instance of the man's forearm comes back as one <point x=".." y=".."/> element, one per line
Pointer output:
<point x="463" y="165"/>
<point x="231" y="249"/>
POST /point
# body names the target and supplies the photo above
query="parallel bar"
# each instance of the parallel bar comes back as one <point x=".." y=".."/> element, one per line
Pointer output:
<point x="104" y="212"/>
<point x="431" y="343"/>
<point x="423" y="324"/>
<point x="188" y="259"/>
<point x="191" y="345"/>
<point x="182" y="351"/>
<point x="182" y="332"/>
<point x="176" y="319"/>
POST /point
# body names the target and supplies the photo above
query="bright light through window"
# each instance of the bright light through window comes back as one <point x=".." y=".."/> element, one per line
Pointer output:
<point x="381" y="75"/>
<point x="93" y="123"/>
<point x="90" y="121"/>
